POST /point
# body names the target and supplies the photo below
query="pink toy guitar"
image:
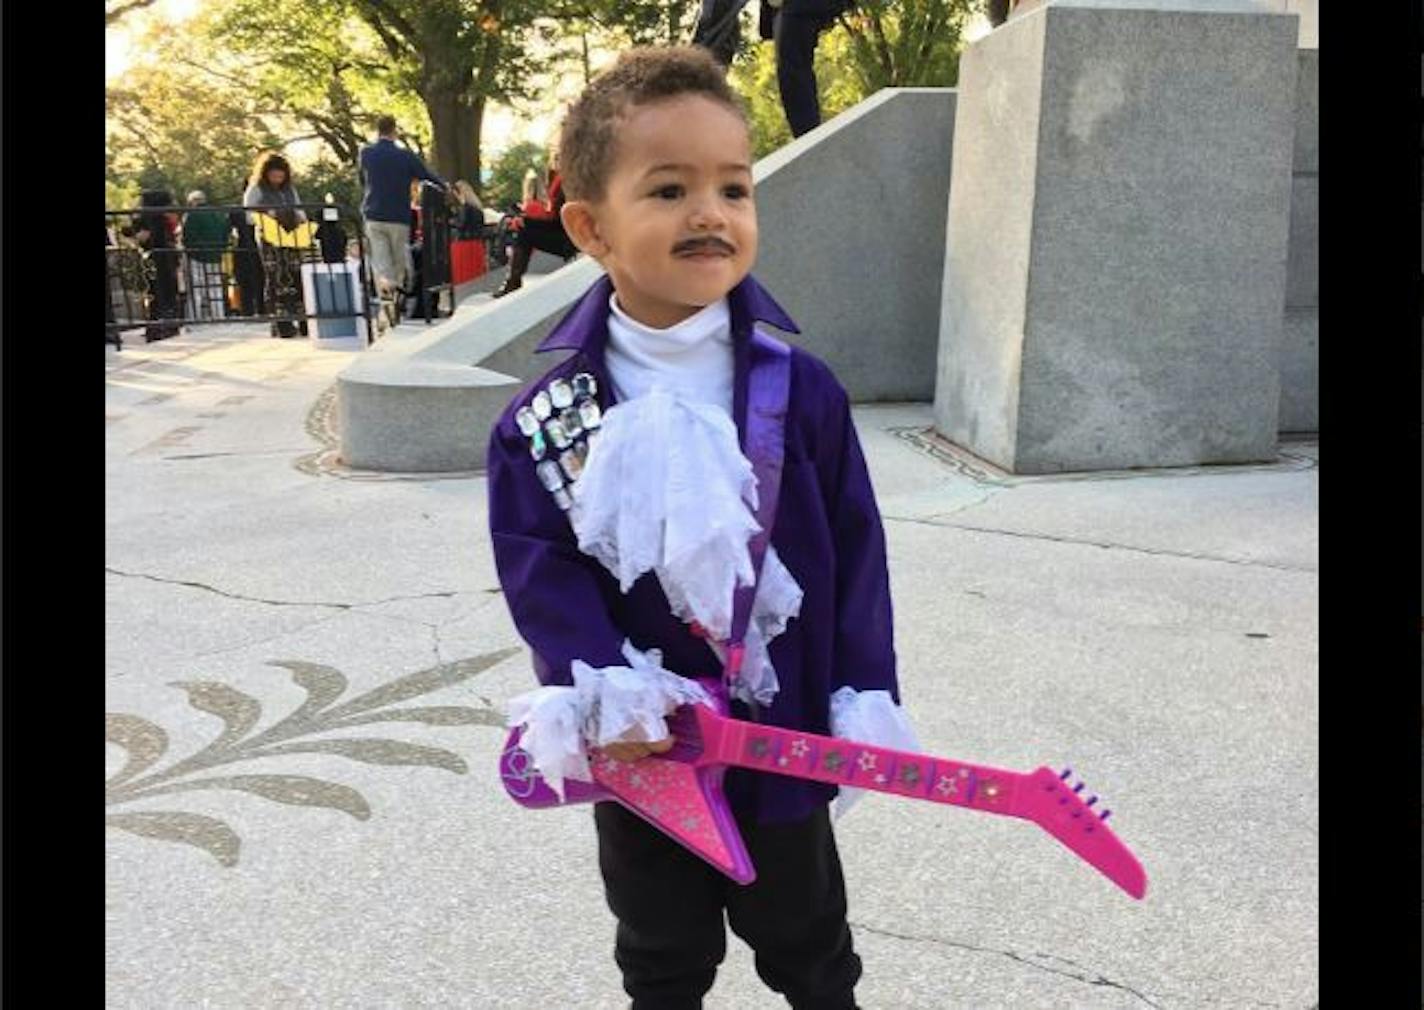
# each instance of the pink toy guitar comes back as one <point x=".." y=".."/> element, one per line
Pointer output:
<point x="680" y="792"/>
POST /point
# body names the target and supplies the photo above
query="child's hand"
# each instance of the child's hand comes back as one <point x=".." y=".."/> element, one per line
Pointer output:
<point x="633" y="750"/>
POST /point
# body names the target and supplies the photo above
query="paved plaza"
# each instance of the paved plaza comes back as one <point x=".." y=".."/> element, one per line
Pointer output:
<point x="306" y="668"/>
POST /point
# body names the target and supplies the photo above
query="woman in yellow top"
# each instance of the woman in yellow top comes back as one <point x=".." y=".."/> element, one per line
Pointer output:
<point x="274" y="207"/>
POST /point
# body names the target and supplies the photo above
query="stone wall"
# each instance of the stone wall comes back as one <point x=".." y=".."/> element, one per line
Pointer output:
<point x="1300" y="337"/>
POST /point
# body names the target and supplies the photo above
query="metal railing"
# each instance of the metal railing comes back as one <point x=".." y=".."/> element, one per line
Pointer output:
<point x="433" y="269"/>
<point x="171" y="267"/>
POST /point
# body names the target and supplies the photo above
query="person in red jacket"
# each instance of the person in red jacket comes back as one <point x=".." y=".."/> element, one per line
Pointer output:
<point x="539" y="226"/>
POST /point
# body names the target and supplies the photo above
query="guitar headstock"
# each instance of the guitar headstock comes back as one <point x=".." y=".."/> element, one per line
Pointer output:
<point x="1076" y="817"/>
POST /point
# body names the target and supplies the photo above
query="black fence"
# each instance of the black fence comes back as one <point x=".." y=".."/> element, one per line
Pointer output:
<point x="433" y="263"/>
<point x="295" y="268"/>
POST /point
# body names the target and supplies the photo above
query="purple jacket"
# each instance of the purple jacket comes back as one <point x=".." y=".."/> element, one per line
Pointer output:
<point x="567" y="606"/>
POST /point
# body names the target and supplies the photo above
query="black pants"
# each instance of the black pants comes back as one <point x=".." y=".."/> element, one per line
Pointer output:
<point x="669" y="905"/>
<point x="796" y="36"/>
<point x="546" y="235"/>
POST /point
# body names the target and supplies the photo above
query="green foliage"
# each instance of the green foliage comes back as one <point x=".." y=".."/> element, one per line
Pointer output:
<point x="316" y="62"/>
<point x="121" y="195"/>
<point x="326" y="175"/>
<point x="169" y="126"/>
<point x="907" y="43"/>
<point x="754" y="76"/>
<point x="506" y="178"/>
<point x="878" y="44"/>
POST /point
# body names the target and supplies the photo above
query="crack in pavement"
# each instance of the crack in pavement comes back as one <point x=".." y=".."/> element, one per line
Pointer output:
<point x="277" y="603"/>
<point x="1122" y="547"/>
<point x="1099" y="980"/>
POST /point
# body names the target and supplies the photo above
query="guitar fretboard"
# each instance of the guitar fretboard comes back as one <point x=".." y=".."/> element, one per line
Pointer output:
<point x="864" y="766"/>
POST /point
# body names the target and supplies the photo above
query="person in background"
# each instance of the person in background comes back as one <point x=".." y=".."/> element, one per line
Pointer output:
<point x="534" y="197"/>
<point x="796" y="27"/>
<point x="387" y="173"/>
<point x="540" y="226"/>
<point x="205" y="236"/>
<point x="247" y="271"/>
<point x="272" y="193"/>
<point x="157" y="235"/>
<point x="470" y="217"/>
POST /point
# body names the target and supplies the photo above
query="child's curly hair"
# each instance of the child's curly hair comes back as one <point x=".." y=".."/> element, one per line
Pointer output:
<point x="639" y="76"/>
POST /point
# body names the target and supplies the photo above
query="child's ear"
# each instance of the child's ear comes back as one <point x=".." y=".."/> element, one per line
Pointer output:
<point x="582" y="227"/>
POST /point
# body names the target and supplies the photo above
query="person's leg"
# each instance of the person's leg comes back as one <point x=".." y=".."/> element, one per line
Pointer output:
<point x="519" y="254"/>
<point x="793" y="915"/>
<point x="668" y="903"/>
<point x="549" y="237"/>
<point x="381" y="252"/>
<point x="796" y="36"/>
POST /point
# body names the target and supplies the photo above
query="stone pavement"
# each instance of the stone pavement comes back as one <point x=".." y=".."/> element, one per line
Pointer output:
<point x="1156" y="631"/>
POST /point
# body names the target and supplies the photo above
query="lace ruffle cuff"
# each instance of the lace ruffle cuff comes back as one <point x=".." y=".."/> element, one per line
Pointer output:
<point x="869" y="717"/>
<point x="604" y="705"/>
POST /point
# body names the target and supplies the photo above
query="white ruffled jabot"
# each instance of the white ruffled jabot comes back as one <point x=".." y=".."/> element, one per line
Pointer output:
<point x="666" y="489"/>
<point x="604" y="705"/>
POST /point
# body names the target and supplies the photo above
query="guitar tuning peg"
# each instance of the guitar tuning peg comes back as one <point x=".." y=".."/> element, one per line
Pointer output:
<point x="1079" y="787"/>
<point x="1065" y="773"/>
<point x="1104" y="815"/>
<point x="1091" y="800"/>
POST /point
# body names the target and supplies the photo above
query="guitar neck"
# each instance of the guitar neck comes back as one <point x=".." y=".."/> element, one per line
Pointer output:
<point x="865" y="766"/>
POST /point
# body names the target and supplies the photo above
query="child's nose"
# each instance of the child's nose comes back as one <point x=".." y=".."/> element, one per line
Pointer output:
<point x="707" y="213"/>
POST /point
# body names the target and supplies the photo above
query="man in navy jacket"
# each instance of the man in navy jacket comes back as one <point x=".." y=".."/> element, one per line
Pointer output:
<point x="387" y="172"/>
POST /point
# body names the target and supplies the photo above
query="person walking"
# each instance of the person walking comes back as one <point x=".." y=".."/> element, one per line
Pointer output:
<point x="387" y="173"/>
<point x="796" y="28"/>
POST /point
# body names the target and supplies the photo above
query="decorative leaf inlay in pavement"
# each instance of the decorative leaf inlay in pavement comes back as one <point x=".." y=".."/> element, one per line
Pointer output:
<point x="145" y="743"/>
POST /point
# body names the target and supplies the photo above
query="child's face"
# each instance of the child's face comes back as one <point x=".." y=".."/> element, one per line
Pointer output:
<point x="676" y="228"/>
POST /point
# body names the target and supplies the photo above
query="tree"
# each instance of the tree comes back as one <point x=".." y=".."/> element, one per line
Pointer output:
<point x="907" y="43"/>
<point x="877" y="44"/>
<point x="506" y="182"/>
<point x="168" y="126"/>
<point x="116" y="10"/>
<point x="457" y="55"/>
<point x="315" y="62"/>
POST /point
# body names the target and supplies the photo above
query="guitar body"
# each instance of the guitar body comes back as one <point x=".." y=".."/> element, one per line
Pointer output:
<point x="680" y="792"/>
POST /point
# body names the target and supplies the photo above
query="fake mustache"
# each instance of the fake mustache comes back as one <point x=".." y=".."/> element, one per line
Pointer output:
<point x="695" y="245"/>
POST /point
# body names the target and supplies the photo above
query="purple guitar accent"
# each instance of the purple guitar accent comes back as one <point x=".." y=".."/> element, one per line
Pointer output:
<point x="680" y="792"/>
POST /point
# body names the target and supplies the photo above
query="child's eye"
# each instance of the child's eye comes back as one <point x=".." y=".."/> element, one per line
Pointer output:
<point x="736" y="192"/>
<point x="669" y="192"/>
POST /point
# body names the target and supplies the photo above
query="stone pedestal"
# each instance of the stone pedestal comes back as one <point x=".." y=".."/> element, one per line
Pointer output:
<point x="1119" y="211"/>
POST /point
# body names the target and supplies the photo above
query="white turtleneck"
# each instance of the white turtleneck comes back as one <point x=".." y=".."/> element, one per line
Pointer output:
<point x="692" y="358"/>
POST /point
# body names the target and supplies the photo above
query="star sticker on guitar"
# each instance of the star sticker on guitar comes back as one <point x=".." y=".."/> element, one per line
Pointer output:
<point x="946" y="785"/>
<point x="866" y="761"/>
<point x="799" y="748"/>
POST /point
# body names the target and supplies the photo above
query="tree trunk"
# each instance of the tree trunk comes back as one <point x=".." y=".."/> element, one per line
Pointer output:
<point x="455" y="129"/>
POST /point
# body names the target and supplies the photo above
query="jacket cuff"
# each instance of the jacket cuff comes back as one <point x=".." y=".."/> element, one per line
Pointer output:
<point x="604" y="705"/>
